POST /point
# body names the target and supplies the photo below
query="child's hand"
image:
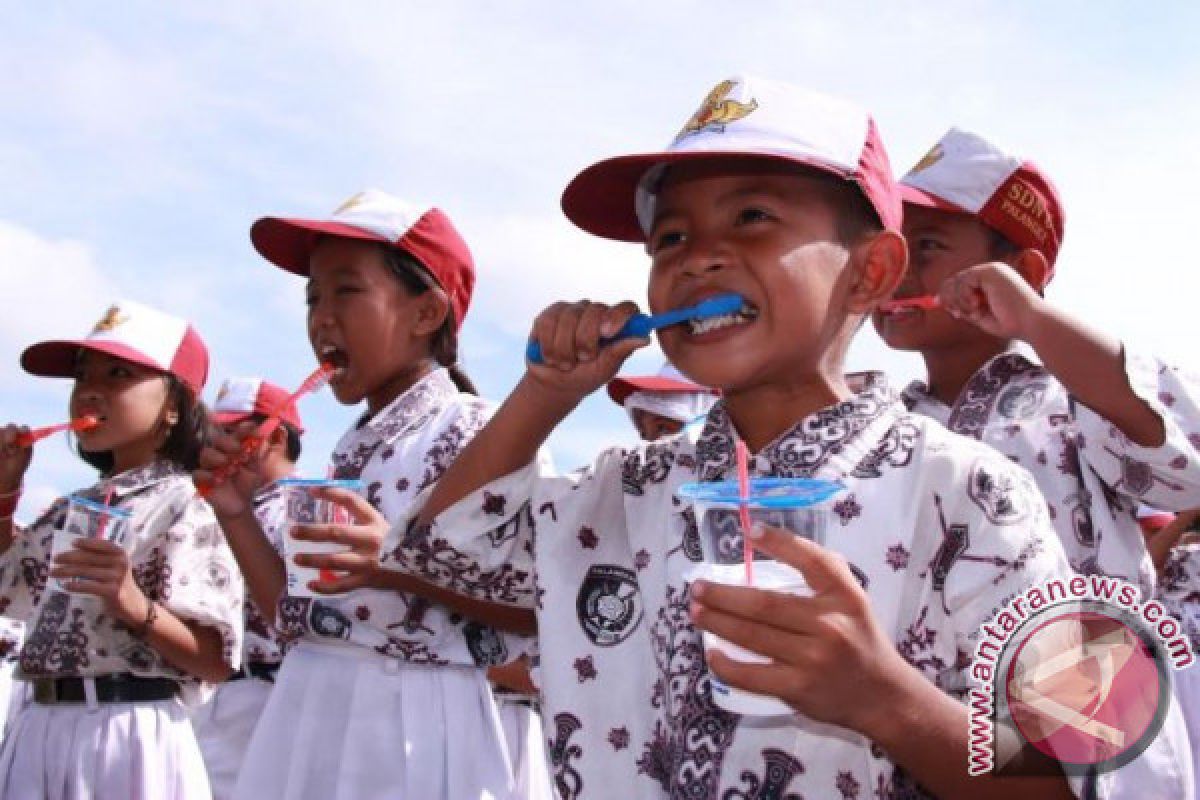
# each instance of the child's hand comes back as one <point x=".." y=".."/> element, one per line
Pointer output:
<point x="832" y="662"/>
<point x="101" y="568"/>
<point x="573" y="361"/>
<point x="994" y="297"/>
<point x="228" y="491"/>
<point x="357" y="565"/>
<point x="14" y="460"/>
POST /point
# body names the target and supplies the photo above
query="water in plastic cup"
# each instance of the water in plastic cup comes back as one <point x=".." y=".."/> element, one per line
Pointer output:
<point x="795" y="504"/>
<point x="88" y="519"/>
<point x="306" y="508"/>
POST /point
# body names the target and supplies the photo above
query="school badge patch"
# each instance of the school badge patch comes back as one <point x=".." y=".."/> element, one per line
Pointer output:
<point x="329" y="622"/>
<point x="717" y="111"/>
<point x="486" y="646"/>
<point x="609" y="604"/>
<point x="111" y="319"/>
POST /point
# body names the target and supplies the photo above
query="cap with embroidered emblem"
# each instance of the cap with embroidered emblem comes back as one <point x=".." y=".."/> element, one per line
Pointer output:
<point x="741" y="116"/>
<point x="136" y="333"/>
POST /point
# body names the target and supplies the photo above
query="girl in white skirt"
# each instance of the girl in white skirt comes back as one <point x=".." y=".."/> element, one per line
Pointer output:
<point x="121" y="629"/>
<point x="385" y="695"/>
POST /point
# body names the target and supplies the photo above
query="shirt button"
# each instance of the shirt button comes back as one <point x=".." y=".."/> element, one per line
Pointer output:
<point x="391" y="667"/>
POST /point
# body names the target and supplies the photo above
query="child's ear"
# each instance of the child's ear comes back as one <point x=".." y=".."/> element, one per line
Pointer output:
<point x="882" y="260"/>
<point x="432" y="308"/>
<point x="1034" y="268"/>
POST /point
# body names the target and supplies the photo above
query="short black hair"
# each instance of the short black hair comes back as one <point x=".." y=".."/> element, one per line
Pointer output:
<point x="1000" y="246"/>
<point x="293" y="447"/>
<point x="855" y="216"/>
<point x="186" y="439"/>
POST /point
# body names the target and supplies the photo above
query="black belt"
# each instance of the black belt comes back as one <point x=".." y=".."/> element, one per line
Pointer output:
<point x="256" y="669"/>
<point x="119" y="688"/>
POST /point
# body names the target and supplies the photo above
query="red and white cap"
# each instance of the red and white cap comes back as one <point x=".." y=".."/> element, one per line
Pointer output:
<point x="966" y="174"/>
<point x="374" y="216"/>
<point x="241" y="398"/>
<point x="741" y="116"/>
<point x="667" y="394"/>
<point x="135" y="333"/>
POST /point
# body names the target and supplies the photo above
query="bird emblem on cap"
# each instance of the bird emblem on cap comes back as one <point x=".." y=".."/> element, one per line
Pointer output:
<point x="111" y="319"/>
<point x="352" y="203"/>
<point x="929" y="159"/>
<point x="717" y="111"/>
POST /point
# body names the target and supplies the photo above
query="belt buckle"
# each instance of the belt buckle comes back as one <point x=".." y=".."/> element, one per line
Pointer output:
<point x="45" y="691"/>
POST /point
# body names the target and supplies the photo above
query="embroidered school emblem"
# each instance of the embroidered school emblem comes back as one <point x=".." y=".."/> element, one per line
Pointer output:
<point x="997" y="495"/>
<point x="929" y="159"/>
<point x="609" y="604"/>
<point x="352" y="203"/>
<point x="717" y="111"/>
<point x="111" y="319"/>
<point x="486" y="646"/>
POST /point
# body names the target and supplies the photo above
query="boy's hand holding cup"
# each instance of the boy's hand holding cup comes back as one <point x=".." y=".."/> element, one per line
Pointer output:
<point x="816" y="646"/>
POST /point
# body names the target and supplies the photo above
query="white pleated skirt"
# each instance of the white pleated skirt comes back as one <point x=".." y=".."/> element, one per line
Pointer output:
<point x="526" y="747"/>
<point x="344" y="723"/>
<point x="139" y="751"/>
<point x="224" y="726"/>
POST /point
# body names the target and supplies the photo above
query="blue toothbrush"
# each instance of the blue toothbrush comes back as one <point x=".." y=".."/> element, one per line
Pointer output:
<point x="643" y="324"/>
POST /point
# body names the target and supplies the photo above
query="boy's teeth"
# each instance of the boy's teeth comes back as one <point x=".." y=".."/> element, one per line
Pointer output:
<point x="701" y="326"/>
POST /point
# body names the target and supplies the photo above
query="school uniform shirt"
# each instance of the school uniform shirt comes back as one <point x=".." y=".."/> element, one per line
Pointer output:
<point x="939" y="530"/>
<point x="400" y="451"/>
<point x="1092" y="476"/>
<point x="263" y="644"/>
<point x="1179" y="589"/>
<point x="179" y="559"/>
<point x="1179" y="592"/>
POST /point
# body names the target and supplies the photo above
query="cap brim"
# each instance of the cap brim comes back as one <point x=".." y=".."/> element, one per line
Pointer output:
<point x="56" y="359"/>
<point x="288" y="243"/>
<point x="602" y="199"/>
<point x="620" y="388"/>
<point x="919" y="197"/>
<point x="231" y="417"/>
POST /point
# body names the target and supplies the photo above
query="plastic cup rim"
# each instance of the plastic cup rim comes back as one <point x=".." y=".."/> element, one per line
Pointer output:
<point x="354" y="484"/>
<point x="813" y="492"/>
<point x="100" y="508"/>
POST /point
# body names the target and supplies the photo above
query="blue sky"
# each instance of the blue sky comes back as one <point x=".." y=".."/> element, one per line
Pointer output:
<point x="139" y="140"/>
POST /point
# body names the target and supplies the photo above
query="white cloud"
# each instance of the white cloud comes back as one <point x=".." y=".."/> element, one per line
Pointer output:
<point x="54" y="288"/>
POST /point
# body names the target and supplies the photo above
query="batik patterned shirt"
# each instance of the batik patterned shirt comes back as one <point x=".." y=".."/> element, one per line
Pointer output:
<point x="263" y="644"/>
<point x="939" y="530"/>
<point x="179" y="558"/>
<point x="1179" y="589"/>
<point x="1092" y="476"/>
<point x="399" y="452"/>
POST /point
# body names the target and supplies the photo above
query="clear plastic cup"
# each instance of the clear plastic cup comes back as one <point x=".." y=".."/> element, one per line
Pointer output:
<point x="306" y="508"/>
<point x="795" y="504"/>
<point x="88" y="519"/>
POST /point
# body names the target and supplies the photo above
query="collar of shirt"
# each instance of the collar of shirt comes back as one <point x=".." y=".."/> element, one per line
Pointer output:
<point x="134" y="480"/>
<point x="267" y="494"/>
<point x="829" y="442"/>
<point x="1019" y="358"/>
<point x="410" y="410"/>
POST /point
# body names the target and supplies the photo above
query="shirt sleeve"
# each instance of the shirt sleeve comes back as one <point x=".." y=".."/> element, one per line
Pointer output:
<point x="25" y="566"/>
<point x="1167" y="476"/>
<point x="482" y="546"/>
<point x="192" y="573"/>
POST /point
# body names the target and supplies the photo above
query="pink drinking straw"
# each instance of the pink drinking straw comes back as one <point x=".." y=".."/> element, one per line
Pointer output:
<point x="104" y="520"/>
<point x="743" y="474"/>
